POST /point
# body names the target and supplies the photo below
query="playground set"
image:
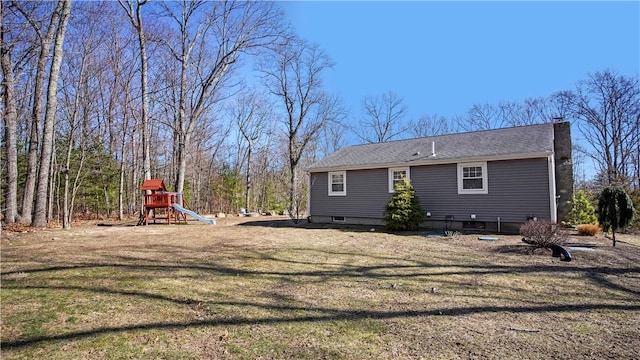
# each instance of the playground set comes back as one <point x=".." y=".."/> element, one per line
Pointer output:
<point x="162" y="204"/>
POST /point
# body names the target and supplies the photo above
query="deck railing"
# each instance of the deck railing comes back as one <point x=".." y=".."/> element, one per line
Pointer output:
<point x="162" y="199"/>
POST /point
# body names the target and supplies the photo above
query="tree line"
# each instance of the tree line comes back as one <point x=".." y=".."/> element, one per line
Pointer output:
<point x="225" y="102"/>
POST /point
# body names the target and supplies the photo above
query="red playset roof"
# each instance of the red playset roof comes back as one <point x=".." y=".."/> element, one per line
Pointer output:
<point x="153" y="185"/>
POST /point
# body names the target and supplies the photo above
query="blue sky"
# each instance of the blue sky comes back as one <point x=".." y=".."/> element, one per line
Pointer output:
<point x="443" y="57"/>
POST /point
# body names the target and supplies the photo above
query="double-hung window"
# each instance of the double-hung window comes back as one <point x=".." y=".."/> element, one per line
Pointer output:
<point x="396" y="176"/>
<point x="472" y="178"/>
<point x="338" y="183"/>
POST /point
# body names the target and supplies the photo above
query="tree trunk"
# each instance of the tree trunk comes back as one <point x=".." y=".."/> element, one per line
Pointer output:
<point x="36" y="113"/>
<point x="248" y="189"/>
<point x="107" y="200"/>
<point x="181" y="126"/>
<point x="76" y="186"/>
<point x="293" y="188"/>
<point x="135" y="16"/>
<point x="70" y="191"/>
<point x="52" y="182"/>
<point x="40" y="217"/>
<point x="121" y="187"/>
<point x="121" y="193"/>
<point x="135" y="182"/>
<point x="11" y="128"/>
<point x="146" y="158"/>
<point x="66" y="217"/>
<point x="182" y="163"/>
<point x="32" y="165"/>
<point x="122" y="180"/>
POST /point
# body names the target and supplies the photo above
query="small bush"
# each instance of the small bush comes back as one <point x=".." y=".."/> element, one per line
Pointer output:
<point x="543" y="233"/>
<point x="588" y="229"/>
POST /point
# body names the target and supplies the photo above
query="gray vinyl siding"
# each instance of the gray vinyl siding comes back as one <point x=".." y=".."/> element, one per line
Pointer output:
<point x="367" y="194"/>
<point x="517" y="189"/>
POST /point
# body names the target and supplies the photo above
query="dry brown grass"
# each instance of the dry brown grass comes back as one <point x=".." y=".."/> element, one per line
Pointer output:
<point x="588" y="229"/>
<point x="255" y="289"/>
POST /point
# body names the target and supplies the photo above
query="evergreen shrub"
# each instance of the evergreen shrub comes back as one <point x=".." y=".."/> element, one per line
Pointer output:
<point x="403" y="211"/>
<point x="582" y="211"/>
<point x="615" y="210"/>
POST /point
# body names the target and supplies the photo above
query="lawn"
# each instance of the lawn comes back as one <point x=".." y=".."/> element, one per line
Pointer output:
<point x="265" y="288"/>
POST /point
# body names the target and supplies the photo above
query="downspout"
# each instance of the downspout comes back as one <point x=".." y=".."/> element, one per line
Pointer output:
<point x="552" y="189"/>
<point x="309" y="197"/>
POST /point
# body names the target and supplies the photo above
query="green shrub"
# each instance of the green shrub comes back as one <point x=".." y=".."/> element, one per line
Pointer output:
<point x="582" y="211"/>
<point x="615" y="210"/>
<point x="403" y="211"/>
<point x="588" y="229"/>
<point x="543" y="233"/>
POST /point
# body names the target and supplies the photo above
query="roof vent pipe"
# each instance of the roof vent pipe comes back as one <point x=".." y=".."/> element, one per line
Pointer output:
<point x="433" y="149"/>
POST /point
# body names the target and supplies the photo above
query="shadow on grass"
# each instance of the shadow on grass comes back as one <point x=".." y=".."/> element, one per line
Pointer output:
<point x="327" y="315"/>
<point x="377" y="271"/>
<point x="382" y="269"/>
<point x="385" y="268"/>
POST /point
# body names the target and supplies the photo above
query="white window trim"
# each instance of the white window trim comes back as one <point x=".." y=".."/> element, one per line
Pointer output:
<point x="485" y="178"/>
<point x="337" y="193"/>
<point x="391" y="171"/>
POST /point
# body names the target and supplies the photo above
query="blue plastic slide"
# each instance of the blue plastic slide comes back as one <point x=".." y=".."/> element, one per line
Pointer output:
<point x="193" y="214"/>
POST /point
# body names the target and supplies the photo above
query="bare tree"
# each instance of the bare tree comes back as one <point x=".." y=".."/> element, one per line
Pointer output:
<point x="332" y="138"/>
<point x="430" y="125"/>
<point x="534" y="110"/>
<point x="559" y="105"/>
<point x="116" y="103"/>
<point x="482" y="117"/>
<point x="72" y="109"/>
<point x="134" y="13"/>
<point x="293" y="74"/>
<point x="267" y="168"/>
<point x="607" y="107"/>
<point x="40" y="215"/>
<point x="383" y="118"/>
<point x="36" y="15"/>
<point x="10" y="118"/>
<point x="511" y="113"/>
<point x="80" y="94"/>
<point x="212" y="37"/>
<point x="487" y="116"/>
<point x="251" y="114"/>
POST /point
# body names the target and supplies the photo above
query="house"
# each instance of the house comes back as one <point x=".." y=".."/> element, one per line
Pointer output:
<point x="493" y="180"/>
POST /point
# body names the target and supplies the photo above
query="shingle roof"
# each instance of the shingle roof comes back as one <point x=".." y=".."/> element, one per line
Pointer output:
<point x="514" y="142"/>
<point x="153" y="184"/>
